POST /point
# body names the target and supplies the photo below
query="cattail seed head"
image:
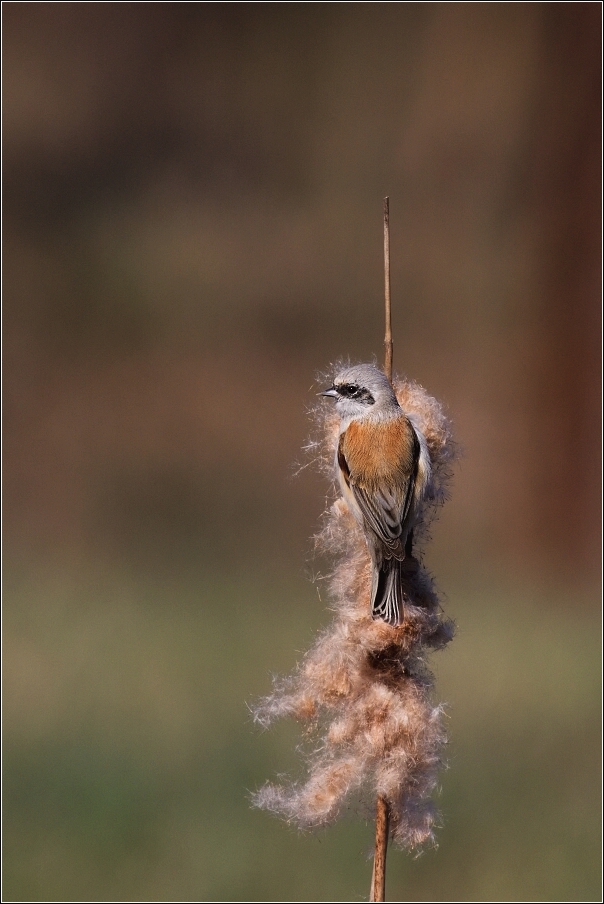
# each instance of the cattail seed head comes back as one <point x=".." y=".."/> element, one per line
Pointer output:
<point x="364" y="689"/>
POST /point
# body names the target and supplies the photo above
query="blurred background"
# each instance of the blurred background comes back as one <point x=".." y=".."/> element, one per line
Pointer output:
<point x="192" y="231"/>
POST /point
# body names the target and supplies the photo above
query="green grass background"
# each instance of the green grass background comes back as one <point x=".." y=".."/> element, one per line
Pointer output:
<point x="130" y="751"/>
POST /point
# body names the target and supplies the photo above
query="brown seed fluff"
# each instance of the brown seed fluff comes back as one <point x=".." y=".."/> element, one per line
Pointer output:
<point x="364" y="690"/>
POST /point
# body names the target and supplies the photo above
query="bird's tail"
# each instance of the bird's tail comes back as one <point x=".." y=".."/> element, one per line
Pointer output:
<point x="387" y="598"/>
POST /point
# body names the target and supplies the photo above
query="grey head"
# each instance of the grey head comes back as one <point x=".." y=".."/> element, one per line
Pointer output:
<point x="363" y="390"/>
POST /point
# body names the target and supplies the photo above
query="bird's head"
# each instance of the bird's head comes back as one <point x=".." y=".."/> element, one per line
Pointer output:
<point x="362" y="391"/>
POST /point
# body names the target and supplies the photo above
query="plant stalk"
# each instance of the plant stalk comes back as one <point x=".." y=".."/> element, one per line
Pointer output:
<point x="388" y="332"/>
<point x="382" y="815"/>
<point x="382" y="824"/>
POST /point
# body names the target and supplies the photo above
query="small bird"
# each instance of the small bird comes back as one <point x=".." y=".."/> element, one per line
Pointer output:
<point x="383" y="468"/>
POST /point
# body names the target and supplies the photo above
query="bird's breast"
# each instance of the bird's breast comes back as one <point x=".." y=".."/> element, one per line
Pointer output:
<point x="379" y="453"/>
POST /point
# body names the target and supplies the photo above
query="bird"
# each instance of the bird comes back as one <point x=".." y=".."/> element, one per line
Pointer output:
<point x="383" y="467"/>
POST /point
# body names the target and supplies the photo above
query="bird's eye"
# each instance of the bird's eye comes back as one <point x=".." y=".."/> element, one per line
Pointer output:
<point x="348" y="390"/>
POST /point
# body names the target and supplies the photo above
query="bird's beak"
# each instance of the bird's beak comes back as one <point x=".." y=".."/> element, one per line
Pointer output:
<point x="330" y="393"/>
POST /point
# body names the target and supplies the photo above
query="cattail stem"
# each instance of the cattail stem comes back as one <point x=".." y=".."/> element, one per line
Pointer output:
<point x="382" y="815"/>
<point x="388" y="332"/>
<point x="382" y="824"/>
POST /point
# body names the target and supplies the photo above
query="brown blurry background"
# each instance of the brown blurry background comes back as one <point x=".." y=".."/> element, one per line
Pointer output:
<point x="192" y="231"/>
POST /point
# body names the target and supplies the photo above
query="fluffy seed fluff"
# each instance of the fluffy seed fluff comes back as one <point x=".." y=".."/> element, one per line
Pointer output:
<point x="364" y="690"/>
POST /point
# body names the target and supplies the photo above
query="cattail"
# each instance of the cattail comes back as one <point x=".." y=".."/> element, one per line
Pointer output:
<point x="364" y="690"/>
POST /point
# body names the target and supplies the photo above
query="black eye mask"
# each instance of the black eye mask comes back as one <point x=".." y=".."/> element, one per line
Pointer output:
<point x="352" y="391"/>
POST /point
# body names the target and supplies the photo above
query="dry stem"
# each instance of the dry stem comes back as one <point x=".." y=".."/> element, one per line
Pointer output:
<point x="388" y="333"/>
<point x="382" y="818"/>
<point x="382" y="825"/>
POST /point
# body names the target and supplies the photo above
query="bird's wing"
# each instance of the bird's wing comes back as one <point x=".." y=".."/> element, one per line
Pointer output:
<point x="383" y="514"/>
<point x="384" y="510"/>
